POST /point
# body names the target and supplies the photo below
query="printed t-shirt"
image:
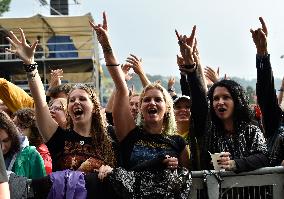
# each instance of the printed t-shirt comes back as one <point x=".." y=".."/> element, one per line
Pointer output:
<point x="69" y="150"/>
<point x="139" y="147"/>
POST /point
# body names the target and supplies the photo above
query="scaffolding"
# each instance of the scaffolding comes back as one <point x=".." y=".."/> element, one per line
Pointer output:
<point x="65" y="42"/>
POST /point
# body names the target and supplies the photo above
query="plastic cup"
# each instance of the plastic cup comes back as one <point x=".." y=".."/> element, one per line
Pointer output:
<point x="214" y="158"/>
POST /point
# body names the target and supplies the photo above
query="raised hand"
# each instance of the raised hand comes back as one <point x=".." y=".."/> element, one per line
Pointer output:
<point x="131" y="90"/>
<point x="211" y="75"/>
<point x="180" y="61"/>
<point x="260" y="38"/>
<point x="20" y="47"/>
<point x="135" y="63"/>
<point x="187" y="46"/>
<point x="171" y="82"/>
<point x="187" y="50"/>
<point x="102" y="32"/>
<point x="55" y="77"/>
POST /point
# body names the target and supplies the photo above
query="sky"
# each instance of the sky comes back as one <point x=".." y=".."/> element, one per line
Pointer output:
<point x="146" y="28"/>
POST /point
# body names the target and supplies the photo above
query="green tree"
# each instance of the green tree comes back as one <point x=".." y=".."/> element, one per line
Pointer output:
<point x="250" y="92"/>
<point x="4" y="6"/>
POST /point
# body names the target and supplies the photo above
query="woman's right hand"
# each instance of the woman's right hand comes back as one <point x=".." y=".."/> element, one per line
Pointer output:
<point x="102" y="32"/>
<point x="20" y="48"/>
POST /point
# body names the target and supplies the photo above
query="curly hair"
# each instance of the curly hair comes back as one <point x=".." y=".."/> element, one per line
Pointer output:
<point x="8" y="125"/>
<point x="101" y="139"/>
<point x="242" y="112"/>
<point x="169" y="123"/>
<point x="27" y="120"/>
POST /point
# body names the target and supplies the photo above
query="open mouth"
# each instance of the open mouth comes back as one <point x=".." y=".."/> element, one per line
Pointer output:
<point x="152" y="111"/>
<point x="78" y="112"/>
<point x="221" y="110"/>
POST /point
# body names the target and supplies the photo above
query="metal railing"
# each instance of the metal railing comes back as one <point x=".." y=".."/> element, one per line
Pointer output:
<point x="264" y="183"/>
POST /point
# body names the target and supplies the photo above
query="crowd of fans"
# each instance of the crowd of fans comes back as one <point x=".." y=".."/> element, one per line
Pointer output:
<point x="63" y="144"/>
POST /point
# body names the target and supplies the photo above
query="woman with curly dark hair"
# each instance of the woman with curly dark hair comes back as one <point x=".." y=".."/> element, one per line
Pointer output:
<point x="225" y="124"/>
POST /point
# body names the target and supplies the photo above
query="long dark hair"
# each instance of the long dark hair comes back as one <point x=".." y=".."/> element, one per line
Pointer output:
<point x="242" y="112"/>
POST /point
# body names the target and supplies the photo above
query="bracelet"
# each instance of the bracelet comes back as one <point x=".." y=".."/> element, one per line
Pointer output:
<point x="171" y="89"/>
<point x="112" y="65"/>
<point x="30" y="67"/>
<point x="281" y="90"/>
<point x="189" y="66"/>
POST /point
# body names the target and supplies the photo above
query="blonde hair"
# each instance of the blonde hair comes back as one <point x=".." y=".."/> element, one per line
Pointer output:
<point x="101" y="139"/>
<point x="169" y="123"/>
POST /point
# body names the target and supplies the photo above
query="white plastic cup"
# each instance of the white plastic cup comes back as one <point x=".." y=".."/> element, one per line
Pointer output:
<point x="214" y="158"/>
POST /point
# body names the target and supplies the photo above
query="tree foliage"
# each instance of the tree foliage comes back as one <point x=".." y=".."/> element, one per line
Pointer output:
<point x="4" y="6"/>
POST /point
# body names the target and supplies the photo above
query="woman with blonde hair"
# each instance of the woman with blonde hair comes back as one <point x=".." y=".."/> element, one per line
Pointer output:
<point x="152" y="144"/>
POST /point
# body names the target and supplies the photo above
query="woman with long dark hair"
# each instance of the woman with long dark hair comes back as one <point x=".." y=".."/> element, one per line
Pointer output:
<point x="225" y="124"/>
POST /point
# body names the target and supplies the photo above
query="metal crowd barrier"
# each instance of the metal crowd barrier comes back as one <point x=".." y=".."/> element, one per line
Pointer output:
<point x="264" y="183"/>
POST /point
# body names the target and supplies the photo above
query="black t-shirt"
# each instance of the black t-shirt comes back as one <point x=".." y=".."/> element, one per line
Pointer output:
<point x="69" y="150"/>
<point x="3" y="174"/>
<point x="139" y="147"/>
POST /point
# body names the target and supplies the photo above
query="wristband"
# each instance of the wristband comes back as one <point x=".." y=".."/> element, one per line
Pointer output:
<point x="189" y="66"/>
<point x="30" y="67"/>
<point x="281" y="90"/>
<point x="171" y="89"/>
<point x="112" y="65"/>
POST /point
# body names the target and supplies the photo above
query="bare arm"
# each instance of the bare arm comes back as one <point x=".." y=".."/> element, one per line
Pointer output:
<point x="122" y="117"/>
<point x="46" y="124"/>
<point x="110" y="102"/>
<point x="125" y="69"/>
<point x="4" y="190"/>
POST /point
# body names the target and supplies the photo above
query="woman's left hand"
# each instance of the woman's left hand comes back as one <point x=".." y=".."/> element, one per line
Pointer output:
<point x="104" y="170"/>
<point x="171" y="162"/>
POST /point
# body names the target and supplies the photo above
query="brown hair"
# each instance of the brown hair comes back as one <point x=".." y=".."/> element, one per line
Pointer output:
<point x="8" y="125"/>
<point x="101" y="140"/>
<point x="27" y="120"/>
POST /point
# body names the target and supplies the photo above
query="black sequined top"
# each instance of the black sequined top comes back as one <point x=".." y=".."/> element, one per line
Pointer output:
<point x="247" y="146"/>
